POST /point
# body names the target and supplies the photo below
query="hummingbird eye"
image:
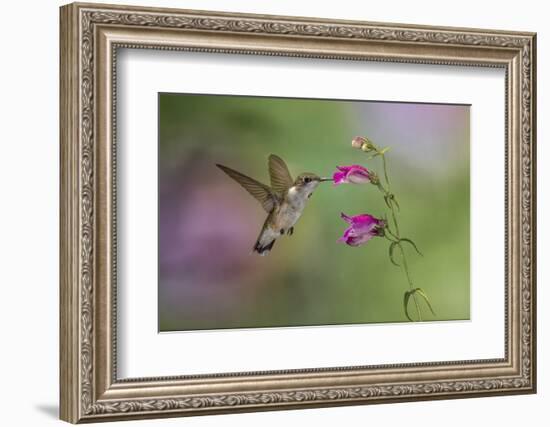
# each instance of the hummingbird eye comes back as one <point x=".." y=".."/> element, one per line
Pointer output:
<point x="307" y="179"/>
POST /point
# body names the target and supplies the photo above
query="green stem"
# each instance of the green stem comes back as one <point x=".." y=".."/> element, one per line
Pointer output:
<point x="394" y="217"/>
<point x="394" y="240"/>
<point x="406" y="268"/>
<point x="385" y="170"/>
<point x="397" y="235"/>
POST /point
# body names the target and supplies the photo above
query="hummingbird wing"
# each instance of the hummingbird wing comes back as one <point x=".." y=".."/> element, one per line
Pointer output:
<point x="259" y="191"/>
<point x="281" y="180"/>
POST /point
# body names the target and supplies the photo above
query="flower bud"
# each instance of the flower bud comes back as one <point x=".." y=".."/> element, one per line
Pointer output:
<point x="367" y="146"/>
<point x="358" y="142"/>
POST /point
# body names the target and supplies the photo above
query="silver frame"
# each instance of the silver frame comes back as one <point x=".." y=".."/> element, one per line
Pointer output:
<point x="90" y="37"/>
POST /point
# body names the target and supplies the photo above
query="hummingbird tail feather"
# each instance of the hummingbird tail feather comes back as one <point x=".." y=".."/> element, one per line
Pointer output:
<point x="263" y="249"/>
<point x="266" y="239"/>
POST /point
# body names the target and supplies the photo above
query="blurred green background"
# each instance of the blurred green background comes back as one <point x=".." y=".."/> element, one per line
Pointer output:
<point x="208" y="277"/>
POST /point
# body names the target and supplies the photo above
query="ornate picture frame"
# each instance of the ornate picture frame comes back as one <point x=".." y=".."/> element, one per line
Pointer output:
<point x="90" y="37"/>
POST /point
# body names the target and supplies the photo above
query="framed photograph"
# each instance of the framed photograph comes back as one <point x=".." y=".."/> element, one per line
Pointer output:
<point x="266" y="212"/>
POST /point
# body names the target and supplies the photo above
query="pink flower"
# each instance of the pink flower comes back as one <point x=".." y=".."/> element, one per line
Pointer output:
<point x="362" y="228"/>
<point x="354" y="174"/>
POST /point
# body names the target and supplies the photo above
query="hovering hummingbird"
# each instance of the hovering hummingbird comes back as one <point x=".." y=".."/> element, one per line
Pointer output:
<point x="284" y="201"/>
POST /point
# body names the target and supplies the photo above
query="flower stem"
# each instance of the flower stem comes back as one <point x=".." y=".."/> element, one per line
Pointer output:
<point x="406" y="268"/>
<point x="388" y="196"/>
<point x="385" y="170"/>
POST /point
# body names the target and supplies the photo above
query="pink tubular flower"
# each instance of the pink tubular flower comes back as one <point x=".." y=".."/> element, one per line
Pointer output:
<point x="362" y="228"/>
<point x="354" y="174"/>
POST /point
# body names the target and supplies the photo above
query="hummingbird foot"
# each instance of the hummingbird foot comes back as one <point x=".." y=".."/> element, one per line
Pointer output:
<point x="290" y="231"/>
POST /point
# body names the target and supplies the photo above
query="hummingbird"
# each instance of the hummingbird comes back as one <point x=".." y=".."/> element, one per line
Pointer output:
<point x="284" y="201"/>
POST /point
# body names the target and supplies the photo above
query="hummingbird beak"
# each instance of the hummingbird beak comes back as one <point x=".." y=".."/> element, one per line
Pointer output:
<point x="325" y="179"/>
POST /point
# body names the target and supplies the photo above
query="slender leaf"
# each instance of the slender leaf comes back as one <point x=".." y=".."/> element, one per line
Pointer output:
<point x="388" y="228"/>
<point x="387" y="201"/>
<point x="391" y="249"/>
<point x="403" y="239"/>
<point x="406" y="304"/>
<point x="423" y="295"/>
<point x="394" y="200"/>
